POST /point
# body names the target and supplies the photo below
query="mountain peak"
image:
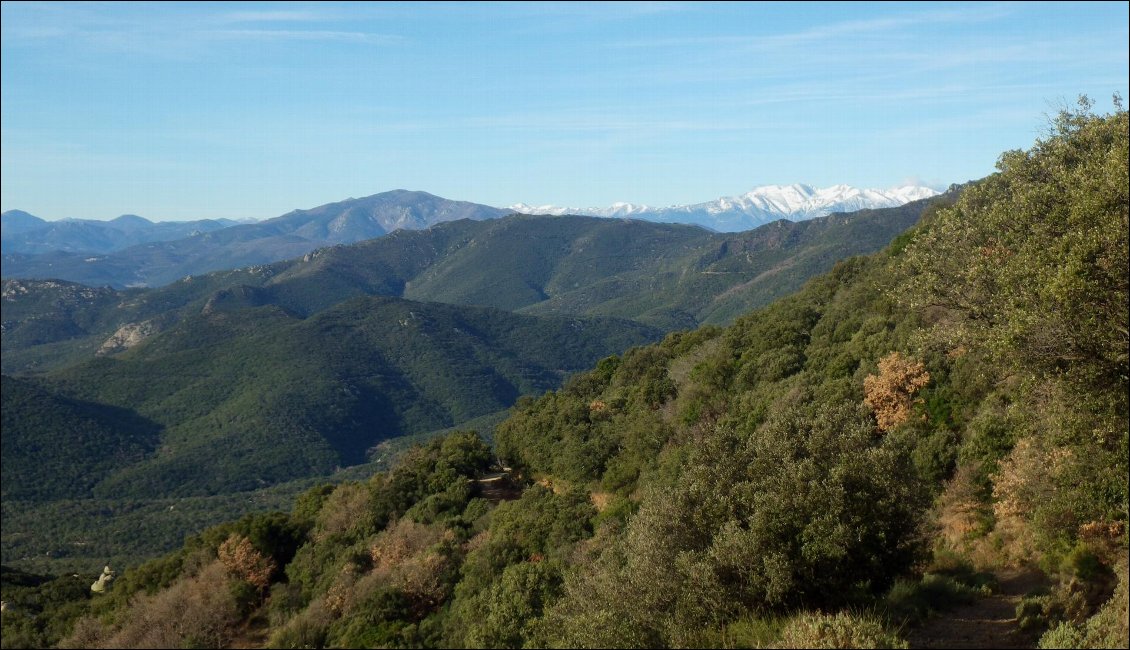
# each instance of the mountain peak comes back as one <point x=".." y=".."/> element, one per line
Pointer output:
<point x="131" y="222"/>
<point x="17" y="221"/>
<point x="17" y="214"/>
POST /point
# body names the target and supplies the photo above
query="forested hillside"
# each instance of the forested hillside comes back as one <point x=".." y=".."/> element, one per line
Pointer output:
<point x="667" y="276"/>
<point x="291" y="397"/>
<point x="285" y="398"/>
<point x="301" y="368"/>
<point x="825" y="472"/>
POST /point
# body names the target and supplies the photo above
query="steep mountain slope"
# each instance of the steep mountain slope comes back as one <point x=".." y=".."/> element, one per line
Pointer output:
<point x="23" y="233"/>
<point x="667" y="275"/>
<point x="733" y="273"/>
<point x="291" y="235"/>
<point x="759" y="206"/>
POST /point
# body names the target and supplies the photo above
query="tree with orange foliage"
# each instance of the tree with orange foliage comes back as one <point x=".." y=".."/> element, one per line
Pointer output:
<point x="242" y="560"/>
<point x="890" y="394"/>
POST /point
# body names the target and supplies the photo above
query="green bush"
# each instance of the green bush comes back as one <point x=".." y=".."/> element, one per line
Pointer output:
<point x="915" y="600"/>
<point x="1106" y="629"/>
<point x="810" y="509"/>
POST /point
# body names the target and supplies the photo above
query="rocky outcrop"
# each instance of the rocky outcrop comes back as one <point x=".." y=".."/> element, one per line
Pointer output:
<point x="127" y="336"/>
<point x="102" y="584"/>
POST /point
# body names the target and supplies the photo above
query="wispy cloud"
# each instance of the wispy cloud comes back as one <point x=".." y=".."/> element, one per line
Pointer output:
<point x="272" y="17"/>
<point x="593" y="10"/>
<point x="595" y="121"/>
<point x="826" y="32"/>
<point x="882" y="25"/>
<point x="177" y="34"/>
<point x="302" y="35"/>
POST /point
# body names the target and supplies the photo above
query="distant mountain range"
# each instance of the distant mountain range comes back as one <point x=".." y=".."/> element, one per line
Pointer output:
<point x="21" y="232"/>
<point x="342" y="222"/>
<point x="131" y="251"/>
<point x="754" y="208"/>
<point x="669" y="276"/>
<point x="291" y="235"/>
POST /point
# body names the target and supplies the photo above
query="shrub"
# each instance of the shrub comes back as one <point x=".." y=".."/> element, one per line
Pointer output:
<point x="890" y="394"/>
<point x="915" y="600"/>
<point x="196" y="611"/>
<point x="1108" y="628"/>
<point x="809" y="510"/>
<point x="241" y="559"/>
<point x="840" y="630"/>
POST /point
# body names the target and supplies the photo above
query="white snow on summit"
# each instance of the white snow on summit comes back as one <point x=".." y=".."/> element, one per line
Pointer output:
<point x="758" y="206"/>
<point x="617" y="209"/>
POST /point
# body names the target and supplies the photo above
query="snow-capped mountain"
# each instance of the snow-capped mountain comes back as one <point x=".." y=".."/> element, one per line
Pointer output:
<point x="617" y="209"/>
<point x="754" y="208"/>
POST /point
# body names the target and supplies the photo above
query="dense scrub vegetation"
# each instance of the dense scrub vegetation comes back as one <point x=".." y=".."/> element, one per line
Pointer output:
<point x="819" y="472"/>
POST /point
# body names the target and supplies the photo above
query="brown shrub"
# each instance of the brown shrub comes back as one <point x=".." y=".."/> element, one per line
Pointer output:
<point x="840" y="630"/>
<point x="198" y="611"/>
<point x="88" y="632"/>
<point x="242" y="560"/>
<point x="405" y="556"/>
<point x="890" y="394"/>
<point x="959" y="511"/>
<point x="600" y="500"/>
<point x="1026" y="478"/>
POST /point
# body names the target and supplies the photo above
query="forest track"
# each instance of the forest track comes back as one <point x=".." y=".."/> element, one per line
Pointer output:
<point x="989" y="622"/>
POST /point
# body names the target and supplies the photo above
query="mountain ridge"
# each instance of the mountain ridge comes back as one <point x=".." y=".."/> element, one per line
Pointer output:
<point x="756" y="207"/>
<point x="25" y="233"/>
<point x="132" y="251"/>
<point x="669" y="276"/>
<point x="290" y="235"/>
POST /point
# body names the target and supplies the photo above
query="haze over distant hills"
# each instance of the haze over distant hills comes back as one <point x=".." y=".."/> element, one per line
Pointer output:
<point x="132" y="251"/>
<point x="21" y="232"/>
<point x="669" y="276"/>
<point x="759" y="206"/>
<point x="290" y="235"/>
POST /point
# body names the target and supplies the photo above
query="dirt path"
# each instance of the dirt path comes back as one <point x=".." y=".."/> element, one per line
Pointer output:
<point x="253" y="634"/>
<point x="988" y="623"/>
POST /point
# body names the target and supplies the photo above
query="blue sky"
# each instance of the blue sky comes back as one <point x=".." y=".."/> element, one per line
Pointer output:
<point x="250" y="110"/>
